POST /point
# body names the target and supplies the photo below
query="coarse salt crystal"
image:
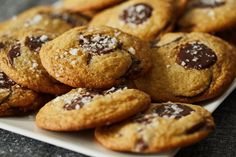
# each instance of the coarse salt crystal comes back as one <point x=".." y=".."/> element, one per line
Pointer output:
<point x="132" y="50"/>
<point x="43" y="38"/>
<point x="73" y="52"/>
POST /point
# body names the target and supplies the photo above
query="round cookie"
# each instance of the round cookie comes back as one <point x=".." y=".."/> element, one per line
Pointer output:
<point x="16" y="100"/>
<point x="82" y="5"/>
<point x="143" y="18"/>
<point x="95" y="57"/>
<point x="19" y="59"/>
<point x="83" y="108"/>
<point x="162" y="127"/>
<point x="189" y="68"/>
<point x="47" y="18"/>
<point x="208" y="15"/>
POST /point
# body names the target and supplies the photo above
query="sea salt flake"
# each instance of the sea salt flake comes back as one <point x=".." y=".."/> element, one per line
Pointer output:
<point x="132" y="50"/>
<point x="168" y="66"/>
<point x="33" y="21"/>
<point x="34" y="65"/>
<point x="73" y="52"/>
<point x="43" y="38"/>
<point x="195" y="59"/>
<point x="183" y="63"/>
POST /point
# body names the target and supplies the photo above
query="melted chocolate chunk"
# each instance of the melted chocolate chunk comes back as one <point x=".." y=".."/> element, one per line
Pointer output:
<point x="79" y="102"/>
<point x="207" y="4"/>
<point x="137" y="14"/>
<point x="35" y="43"/>
<point x="14" y="52"/>
<point x="134" y="69"/>
<point x="5" y="81"/>
<point x="1" y="45"/>
<point x="98" y="44"/>
<point x="196" y="128"/>
<point x="86" y="97"/>
<point x="196" y="55"/>
<point x="144" y="120"/>
<point x="72" y="19"/>
<point x="170" y="110"/>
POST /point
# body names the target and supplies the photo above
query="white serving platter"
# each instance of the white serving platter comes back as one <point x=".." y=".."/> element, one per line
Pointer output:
<point x="83" y="142"/>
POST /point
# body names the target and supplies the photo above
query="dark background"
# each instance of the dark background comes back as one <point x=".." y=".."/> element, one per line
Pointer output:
<point x="222" y="143"/>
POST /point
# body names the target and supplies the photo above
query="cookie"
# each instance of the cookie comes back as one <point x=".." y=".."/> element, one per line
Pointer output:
<point x="162" y="127"/>
<point x="19" y="59"/>
<point x="95" y="57"/>
<point x="83" y="108"/>
<point x="84" y="5"/>
<point x="14" y="99"/>
<point x="143" y="18"/>
<point x="189" y="67"/>
<point x="46" y="18"/>
<point x="208" y="16"/>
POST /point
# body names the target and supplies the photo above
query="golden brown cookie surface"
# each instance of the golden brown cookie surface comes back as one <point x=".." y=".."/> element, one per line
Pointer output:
<point x="95" y="57"/>
<point x="47" y="18"/>
<point x="208" y="15"/>
<point x="143" y="18"/>
<point x="16" y="100"/>
<point x="162" y="127"/>
<point x="83" y="5"/>
<point x="189" y="68"/>
<point x="83" y="108"/>
<point x="19" y="59"/>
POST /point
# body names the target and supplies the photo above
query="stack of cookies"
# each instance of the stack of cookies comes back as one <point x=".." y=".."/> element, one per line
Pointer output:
<point x="129" y="69"/>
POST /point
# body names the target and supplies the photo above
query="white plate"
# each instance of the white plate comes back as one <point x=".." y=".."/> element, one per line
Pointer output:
<point x="83" y="142"/>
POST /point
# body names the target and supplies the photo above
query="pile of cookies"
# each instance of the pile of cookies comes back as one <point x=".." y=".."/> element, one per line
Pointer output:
<point x="130" y="69"/>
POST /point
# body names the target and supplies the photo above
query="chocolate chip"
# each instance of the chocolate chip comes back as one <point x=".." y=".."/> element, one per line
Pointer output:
<point x="87" y="96"/>
<point x="98" y="44"/>
<point x="171" y="110"/>
<point x="196" y="55"/>
<point x="79" y="102"/>
<point x="5" y="81"/>
<point x="207" y="4"/>
<point x="134" y="69"/>
<point x="196" y="128"/>
<point x="1" y="45"/>
<point x="35" y="43"/>
<point x="137" y="14"/>
<point x="144" y="120"/>
<point x="14" y="52"/>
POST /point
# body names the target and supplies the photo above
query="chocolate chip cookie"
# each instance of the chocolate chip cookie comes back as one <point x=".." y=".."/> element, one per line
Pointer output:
<point x="82" y="5"/>
<point x="19" y="59"/>
<point x="46" y="18"/>
<point x="14" y="99"/>
<point x="208" y="15"/>
<point x="189" y="67"/>
<point x="162" y="127"/>
<point x="86" y="108"/>
<point x="95" y="57"/>
<point x="143" y="18"/>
